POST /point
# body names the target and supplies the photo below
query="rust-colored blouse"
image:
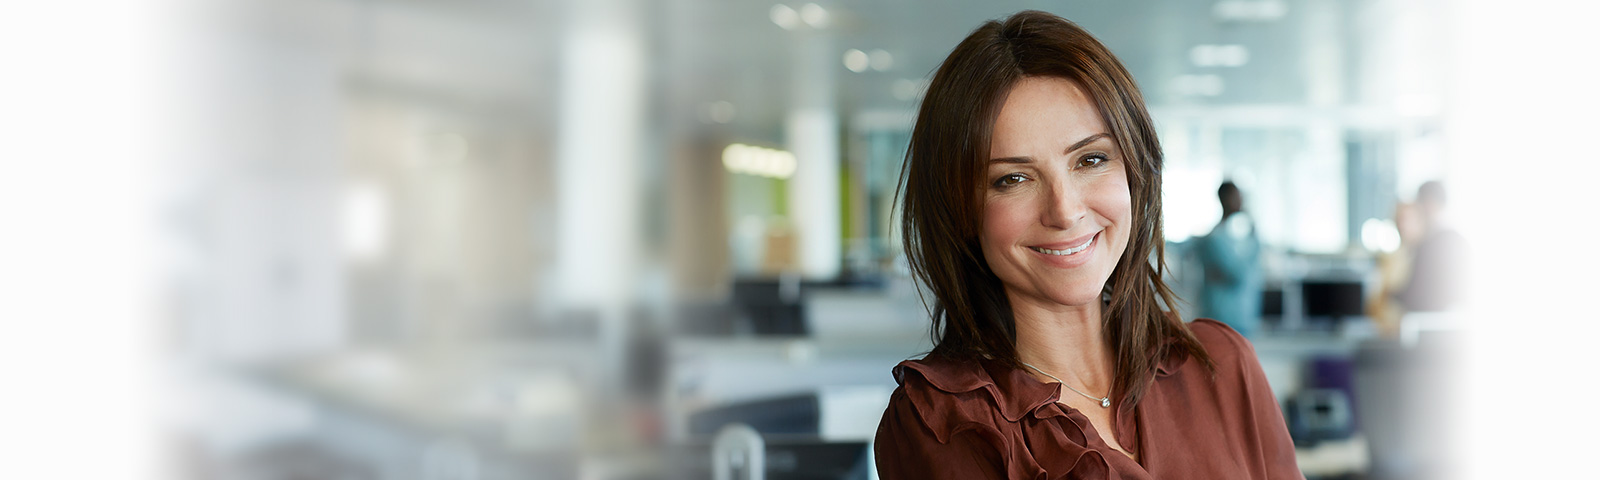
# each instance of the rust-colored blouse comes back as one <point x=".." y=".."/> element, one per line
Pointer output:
<point x="972" y="420"/>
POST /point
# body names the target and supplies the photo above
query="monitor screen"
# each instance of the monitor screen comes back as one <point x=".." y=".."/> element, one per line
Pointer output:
<point x="1326" y="298"/>
<point x="1272" y="303"/>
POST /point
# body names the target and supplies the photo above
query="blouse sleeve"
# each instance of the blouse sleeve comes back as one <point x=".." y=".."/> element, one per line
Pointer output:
<point x="905" y="448"/>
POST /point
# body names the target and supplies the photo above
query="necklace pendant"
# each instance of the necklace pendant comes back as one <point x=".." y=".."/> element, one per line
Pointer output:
<point x="1105" y="402"/>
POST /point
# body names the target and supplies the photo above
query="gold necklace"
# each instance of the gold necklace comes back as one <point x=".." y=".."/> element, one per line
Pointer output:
<point x="1105" y="402"/>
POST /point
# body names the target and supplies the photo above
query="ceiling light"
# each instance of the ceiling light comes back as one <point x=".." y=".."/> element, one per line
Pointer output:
<point x="753" y="160"/>
<point x="365" y="221"/>
<point x="784" y="16"/>
<point x="814" y="15"/>
<point x="1249" y="10"/>
<point x="1219" y="55"/>
<point x="856" y="60"/>
<point x="881" y="60"/>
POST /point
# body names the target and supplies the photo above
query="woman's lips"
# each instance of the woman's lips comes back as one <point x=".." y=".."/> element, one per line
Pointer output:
<point x="1066" y="248"/>
<point x="1067" y="256"/>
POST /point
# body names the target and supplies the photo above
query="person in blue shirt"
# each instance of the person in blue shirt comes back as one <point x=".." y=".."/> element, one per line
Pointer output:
<point x="1231" y="258"/>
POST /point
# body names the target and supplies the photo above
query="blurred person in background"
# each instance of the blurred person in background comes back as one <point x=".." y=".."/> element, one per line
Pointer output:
<point x="1437" y="260"/>
<point x="1231" y="257"/>
<point x="1394" y="272"/>
<point x="1032" y="202"/>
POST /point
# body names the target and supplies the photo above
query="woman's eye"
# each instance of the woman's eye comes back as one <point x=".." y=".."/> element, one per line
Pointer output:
<point x="1092" y="160"/>
<point x="1009" y="180"/>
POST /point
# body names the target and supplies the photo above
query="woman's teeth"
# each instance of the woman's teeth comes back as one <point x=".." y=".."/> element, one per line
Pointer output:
<point x="1068" y="251"/>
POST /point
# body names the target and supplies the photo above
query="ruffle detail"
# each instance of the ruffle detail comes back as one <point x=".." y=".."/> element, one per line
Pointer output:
<point x="950" y="398"/>
<point x="973" y="384"/>
<point x="1085" y="467"/>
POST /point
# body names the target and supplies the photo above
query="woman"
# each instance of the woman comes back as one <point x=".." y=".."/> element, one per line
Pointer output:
<point x="1032" y="209"/>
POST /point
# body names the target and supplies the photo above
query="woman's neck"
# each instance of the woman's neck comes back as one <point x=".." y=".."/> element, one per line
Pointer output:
<point x="1067" y="342"/>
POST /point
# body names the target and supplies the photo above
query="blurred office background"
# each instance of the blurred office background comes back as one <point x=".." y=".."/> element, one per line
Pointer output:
<point x="496" y="239"/>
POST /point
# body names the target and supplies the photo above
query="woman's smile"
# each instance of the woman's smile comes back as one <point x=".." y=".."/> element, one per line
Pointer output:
<point x="1063" y="248"/>
<point x="1060" y="255"/>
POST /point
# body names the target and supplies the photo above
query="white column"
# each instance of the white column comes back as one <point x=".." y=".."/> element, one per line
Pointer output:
<point x="596" y="167"/>
<point x="812" y="130"/>
<point x="1320" y="181"/>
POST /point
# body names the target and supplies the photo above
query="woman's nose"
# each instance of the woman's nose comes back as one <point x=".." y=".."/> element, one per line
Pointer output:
<point x="1063" y="205"/>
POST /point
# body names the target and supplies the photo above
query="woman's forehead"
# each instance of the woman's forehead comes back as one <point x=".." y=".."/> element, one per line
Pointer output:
<point x="1044" y="116"/>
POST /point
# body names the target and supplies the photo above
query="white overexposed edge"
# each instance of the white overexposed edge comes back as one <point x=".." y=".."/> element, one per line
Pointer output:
<point x="82" y="120"/>
<point x="1521" y="142"/>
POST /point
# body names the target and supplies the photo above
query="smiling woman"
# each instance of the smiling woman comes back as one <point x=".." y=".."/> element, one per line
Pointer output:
<point x="1056" y="213"/>
<point x="1032" y="213"/>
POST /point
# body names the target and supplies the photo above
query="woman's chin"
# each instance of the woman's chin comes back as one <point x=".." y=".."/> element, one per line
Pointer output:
<point x="1072" y="298"/>
<point x="1078" y="300"/>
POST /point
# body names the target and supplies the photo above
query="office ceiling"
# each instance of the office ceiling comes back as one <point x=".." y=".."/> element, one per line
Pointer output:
<point x="733" y="51"/>
<point x="731" y="56"/>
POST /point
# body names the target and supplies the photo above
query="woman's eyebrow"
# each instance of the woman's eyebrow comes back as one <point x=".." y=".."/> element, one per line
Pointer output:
<point x="1074" y="147"/>
<point x="1087" y="140"/>
<point x="1019" y="160"/>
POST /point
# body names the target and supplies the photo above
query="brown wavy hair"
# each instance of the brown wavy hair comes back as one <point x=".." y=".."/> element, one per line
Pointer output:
<point x="942" y="184"/>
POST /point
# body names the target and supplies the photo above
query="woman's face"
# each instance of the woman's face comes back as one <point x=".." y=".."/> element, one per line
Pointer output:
<point x="1056" y="205"/>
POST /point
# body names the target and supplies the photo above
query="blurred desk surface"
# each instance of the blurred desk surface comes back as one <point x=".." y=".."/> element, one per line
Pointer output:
<point x="1334" y="457"/>
<point x="1304" y="344"/>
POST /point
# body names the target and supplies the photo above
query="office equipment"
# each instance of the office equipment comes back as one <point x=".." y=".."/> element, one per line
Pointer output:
<point x="820" y="433"/>
<point x="1272" y="303"/>
<point x="771" y="306"/>
<point x="793" y="414"/>
<point x="792" y="438"/>
<point x="737" y="452"/>
<point x="1318" y="414"/>
<point x="1272" y="308"/>
<point x="1332" y="300"/>
<point x="839" y="412"/>
<point x="784" y="457"/>
<point x="706" y="318"/>
<point x="1332" y="372"/>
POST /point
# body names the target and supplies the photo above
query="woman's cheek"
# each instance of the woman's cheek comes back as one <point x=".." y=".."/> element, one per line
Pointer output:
<point x="1004" y="218"/>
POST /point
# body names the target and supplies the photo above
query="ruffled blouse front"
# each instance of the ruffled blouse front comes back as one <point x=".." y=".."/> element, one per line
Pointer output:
<point x="954" y="419"/>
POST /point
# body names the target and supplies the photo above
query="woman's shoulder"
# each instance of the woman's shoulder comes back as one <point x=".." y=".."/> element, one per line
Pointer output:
<point x="936" y="399"/>
<point x="946" y="393"/>
<point x="1232" y="354"/>
<point x="941" y="373"/>
<point x="1222" y="342"/>
<point x="946" y="390"/>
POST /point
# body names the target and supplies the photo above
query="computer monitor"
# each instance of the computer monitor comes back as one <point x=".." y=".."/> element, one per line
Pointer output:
<point x="1332" y="299"/>
<point x="1272" y="302"/>
<point x="772" y="306"/>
